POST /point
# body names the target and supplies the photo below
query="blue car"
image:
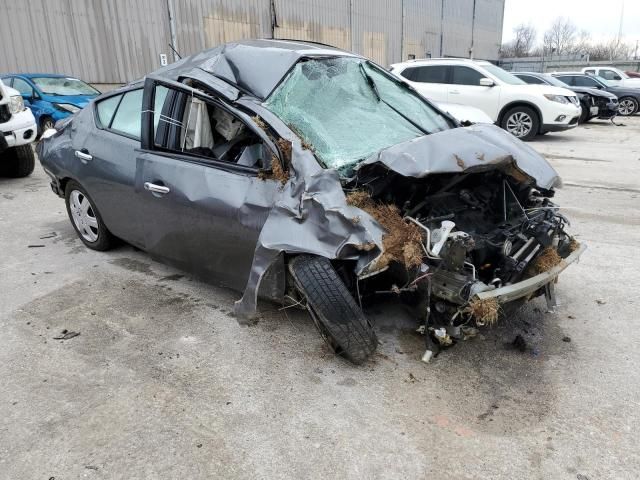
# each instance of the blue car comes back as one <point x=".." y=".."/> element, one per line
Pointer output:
<point x="50" y="97"/>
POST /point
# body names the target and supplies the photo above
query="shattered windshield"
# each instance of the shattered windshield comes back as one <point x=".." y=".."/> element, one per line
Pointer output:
<point x="348" y="109"/>
<point x="63" y="86"/>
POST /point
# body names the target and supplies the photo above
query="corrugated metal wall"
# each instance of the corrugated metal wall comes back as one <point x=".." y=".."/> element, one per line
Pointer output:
<point x="116" y="41"/>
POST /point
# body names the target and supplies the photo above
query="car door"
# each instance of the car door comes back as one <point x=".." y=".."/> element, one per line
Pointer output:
<point x="429" y="80"/>
<point x="465" y="89"/>
<point x="202" y="201"/>
<point x="105" y="146"/>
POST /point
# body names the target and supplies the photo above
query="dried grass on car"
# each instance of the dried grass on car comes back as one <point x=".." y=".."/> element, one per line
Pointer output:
<point x="485" y="312"/>
<point x="402" y="242"/>
<point x="544" y="262"/>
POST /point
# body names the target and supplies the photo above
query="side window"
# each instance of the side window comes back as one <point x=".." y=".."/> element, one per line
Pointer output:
<point x="22" y="86"/>
<point x="409" y="73"/>
<point x="590" y="71"/>
<point x="192" y="126"/>
<point x="530" y="80"/>
<point x="584" y="82"/>
<point x="465" y="76"/>
<point x="6" y="81"/>
<point x="568" y="79"/>
<point x="431" y="74"/>
<point x="106" y="108"/>
<point x="609" y="75"/>
<point x="128" y="117"/>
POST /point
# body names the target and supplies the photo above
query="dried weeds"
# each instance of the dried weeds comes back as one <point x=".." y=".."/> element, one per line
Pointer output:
<point x="574" y="245"/>
<point x="278" y="172"/>
<point x="485" y="312"/>
<point x="402" y="242"/>
<point x="548" y="259"/>
<point x="260" y="123"/>
<point x="285" y="148"/>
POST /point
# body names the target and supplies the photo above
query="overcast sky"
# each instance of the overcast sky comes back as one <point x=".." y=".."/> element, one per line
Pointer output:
<point x="600" y="17"/>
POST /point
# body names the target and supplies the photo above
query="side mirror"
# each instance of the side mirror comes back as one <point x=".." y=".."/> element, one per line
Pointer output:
<point x="487" y="82"/>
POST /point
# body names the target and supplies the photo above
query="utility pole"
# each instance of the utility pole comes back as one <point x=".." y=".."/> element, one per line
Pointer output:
<point x="473" y="28"/>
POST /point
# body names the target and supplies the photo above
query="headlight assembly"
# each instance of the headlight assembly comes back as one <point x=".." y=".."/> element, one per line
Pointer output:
<point x="556" y="98"/>
<point x="66" y="107"/>
<point x="16" y="104"/>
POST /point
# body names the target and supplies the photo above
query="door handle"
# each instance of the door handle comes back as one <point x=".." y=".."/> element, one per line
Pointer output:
<point x="84" y="155"/>
<point x="152" y="187"/>
<point x="455" y="92"/>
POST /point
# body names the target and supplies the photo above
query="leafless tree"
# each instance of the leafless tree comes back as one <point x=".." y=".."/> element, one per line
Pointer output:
<point x="614" y="49"/>
<point x="560" y="37"/>
<point x="521" y="45"/>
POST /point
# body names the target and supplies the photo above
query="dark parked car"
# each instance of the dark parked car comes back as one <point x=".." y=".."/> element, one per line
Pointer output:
<point x="628" y="98"/>
<point x="312" y="176"/>
<point x="595" y="103"/>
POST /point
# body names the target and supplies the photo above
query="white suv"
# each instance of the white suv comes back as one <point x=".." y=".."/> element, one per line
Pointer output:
<point x="521" y="109"/>
<point x="613" y="75"/>
<point x="17" y="130"/>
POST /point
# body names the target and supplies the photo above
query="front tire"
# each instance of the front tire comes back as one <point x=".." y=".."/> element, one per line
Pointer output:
<point x="521" y="122"/>
<point x="86" y="219"/>
<point x="338" y="317"/>
<point x="18" y="162"/>
<point x="627" y="106"/>
<point x="584" y="115"/>
<point x="45" y="124"/>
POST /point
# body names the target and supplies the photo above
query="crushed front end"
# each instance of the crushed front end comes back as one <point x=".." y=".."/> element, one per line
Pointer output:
<point x="474" y="245"/>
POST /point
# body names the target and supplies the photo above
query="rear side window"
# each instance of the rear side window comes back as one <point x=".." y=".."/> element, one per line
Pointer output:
<point x="590" y="72"/>
<point x="430" y="74"/>
<point x="530" y="80"/>
<point x="128" y="117"/>
<point x="106" y="108"/>
<point x="465" y="76"/>
<point x="569" y="80"/>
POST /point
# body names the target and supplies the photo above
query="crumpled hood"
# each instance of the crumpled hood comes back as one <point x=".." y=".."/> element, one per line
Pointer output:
<point x="460" y="149"/>
<point x="79" y="101"/>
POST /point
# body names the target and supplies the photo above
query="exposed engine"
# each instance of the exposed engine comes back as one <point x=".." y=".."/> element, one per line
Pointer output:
<point x="480" y="231"/>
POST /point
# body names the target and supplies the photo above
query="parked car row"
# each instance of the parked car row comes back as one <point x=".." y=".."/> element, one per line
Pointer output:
<point x="559" y="101"/>
<point x="329" y="184"/>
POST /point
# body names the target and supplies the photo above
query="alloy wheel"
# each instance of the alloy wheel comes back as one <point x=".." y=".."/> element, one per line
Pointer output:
<point x="626" y="107"/>
<point x="84" y="216"/>
<point x="519" y="124"/>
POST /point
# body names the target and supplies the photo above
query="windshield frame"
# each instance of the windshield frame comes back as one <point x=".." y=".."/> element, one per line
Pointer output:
<point x="39" y="86"/>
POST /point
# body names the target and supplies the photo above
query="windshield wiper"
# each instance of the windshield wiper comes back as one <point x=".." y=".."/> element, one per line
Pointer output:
<point x="370" y="81"/>
<point x="374" y="88"/>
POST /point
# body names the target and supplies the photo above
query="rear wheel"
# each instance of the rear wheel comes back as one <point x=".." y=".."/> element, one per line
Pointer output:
<point x="338" y="317"/>
<point x="18" y="162"/>
<point x="86" y="219"/>
<point x="522" y="122"/>
<point x="627" y="106"/>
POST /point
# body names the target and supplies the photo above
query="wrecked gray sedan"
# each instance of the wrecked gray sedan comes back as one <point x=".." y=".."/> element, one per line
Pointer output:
<point x="310" y="176"/>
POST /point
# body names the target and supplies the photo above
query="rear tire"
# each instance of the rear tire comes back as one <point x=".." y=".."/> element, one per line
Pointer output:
<point x="337" y="315"/>
<point x="86" y="219"/>
<point x="521" y="122"/>
<point x="18" y="162"/>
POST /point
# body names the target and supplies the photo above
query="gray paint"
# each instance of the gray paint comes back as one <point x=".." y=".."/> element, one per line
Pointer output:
<point x="116" y="41"/>
<point x="236" y="225"/>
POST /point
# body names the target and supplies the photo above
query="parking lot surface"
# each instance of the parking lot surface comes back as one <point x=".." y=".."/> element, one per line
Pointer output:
<point x="163" y="382"/>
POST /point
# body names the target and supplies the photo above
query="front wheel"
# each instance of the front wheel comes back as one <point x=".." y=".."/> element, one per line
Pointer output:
<point x="86" y="219"/>
<point x="338" y="317"/>
<point x="521" y="122"/>
<point x="18" y="162"/>
<point x="627" y="106"/>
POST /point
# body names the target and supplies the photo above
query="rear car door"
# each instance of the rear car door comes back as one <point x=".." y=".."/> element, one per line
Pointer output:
<point x="106" y="153"/>
<point x="430" y="80"/>
<point x="202" y="202"/>
<point x="465" y="89"/>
